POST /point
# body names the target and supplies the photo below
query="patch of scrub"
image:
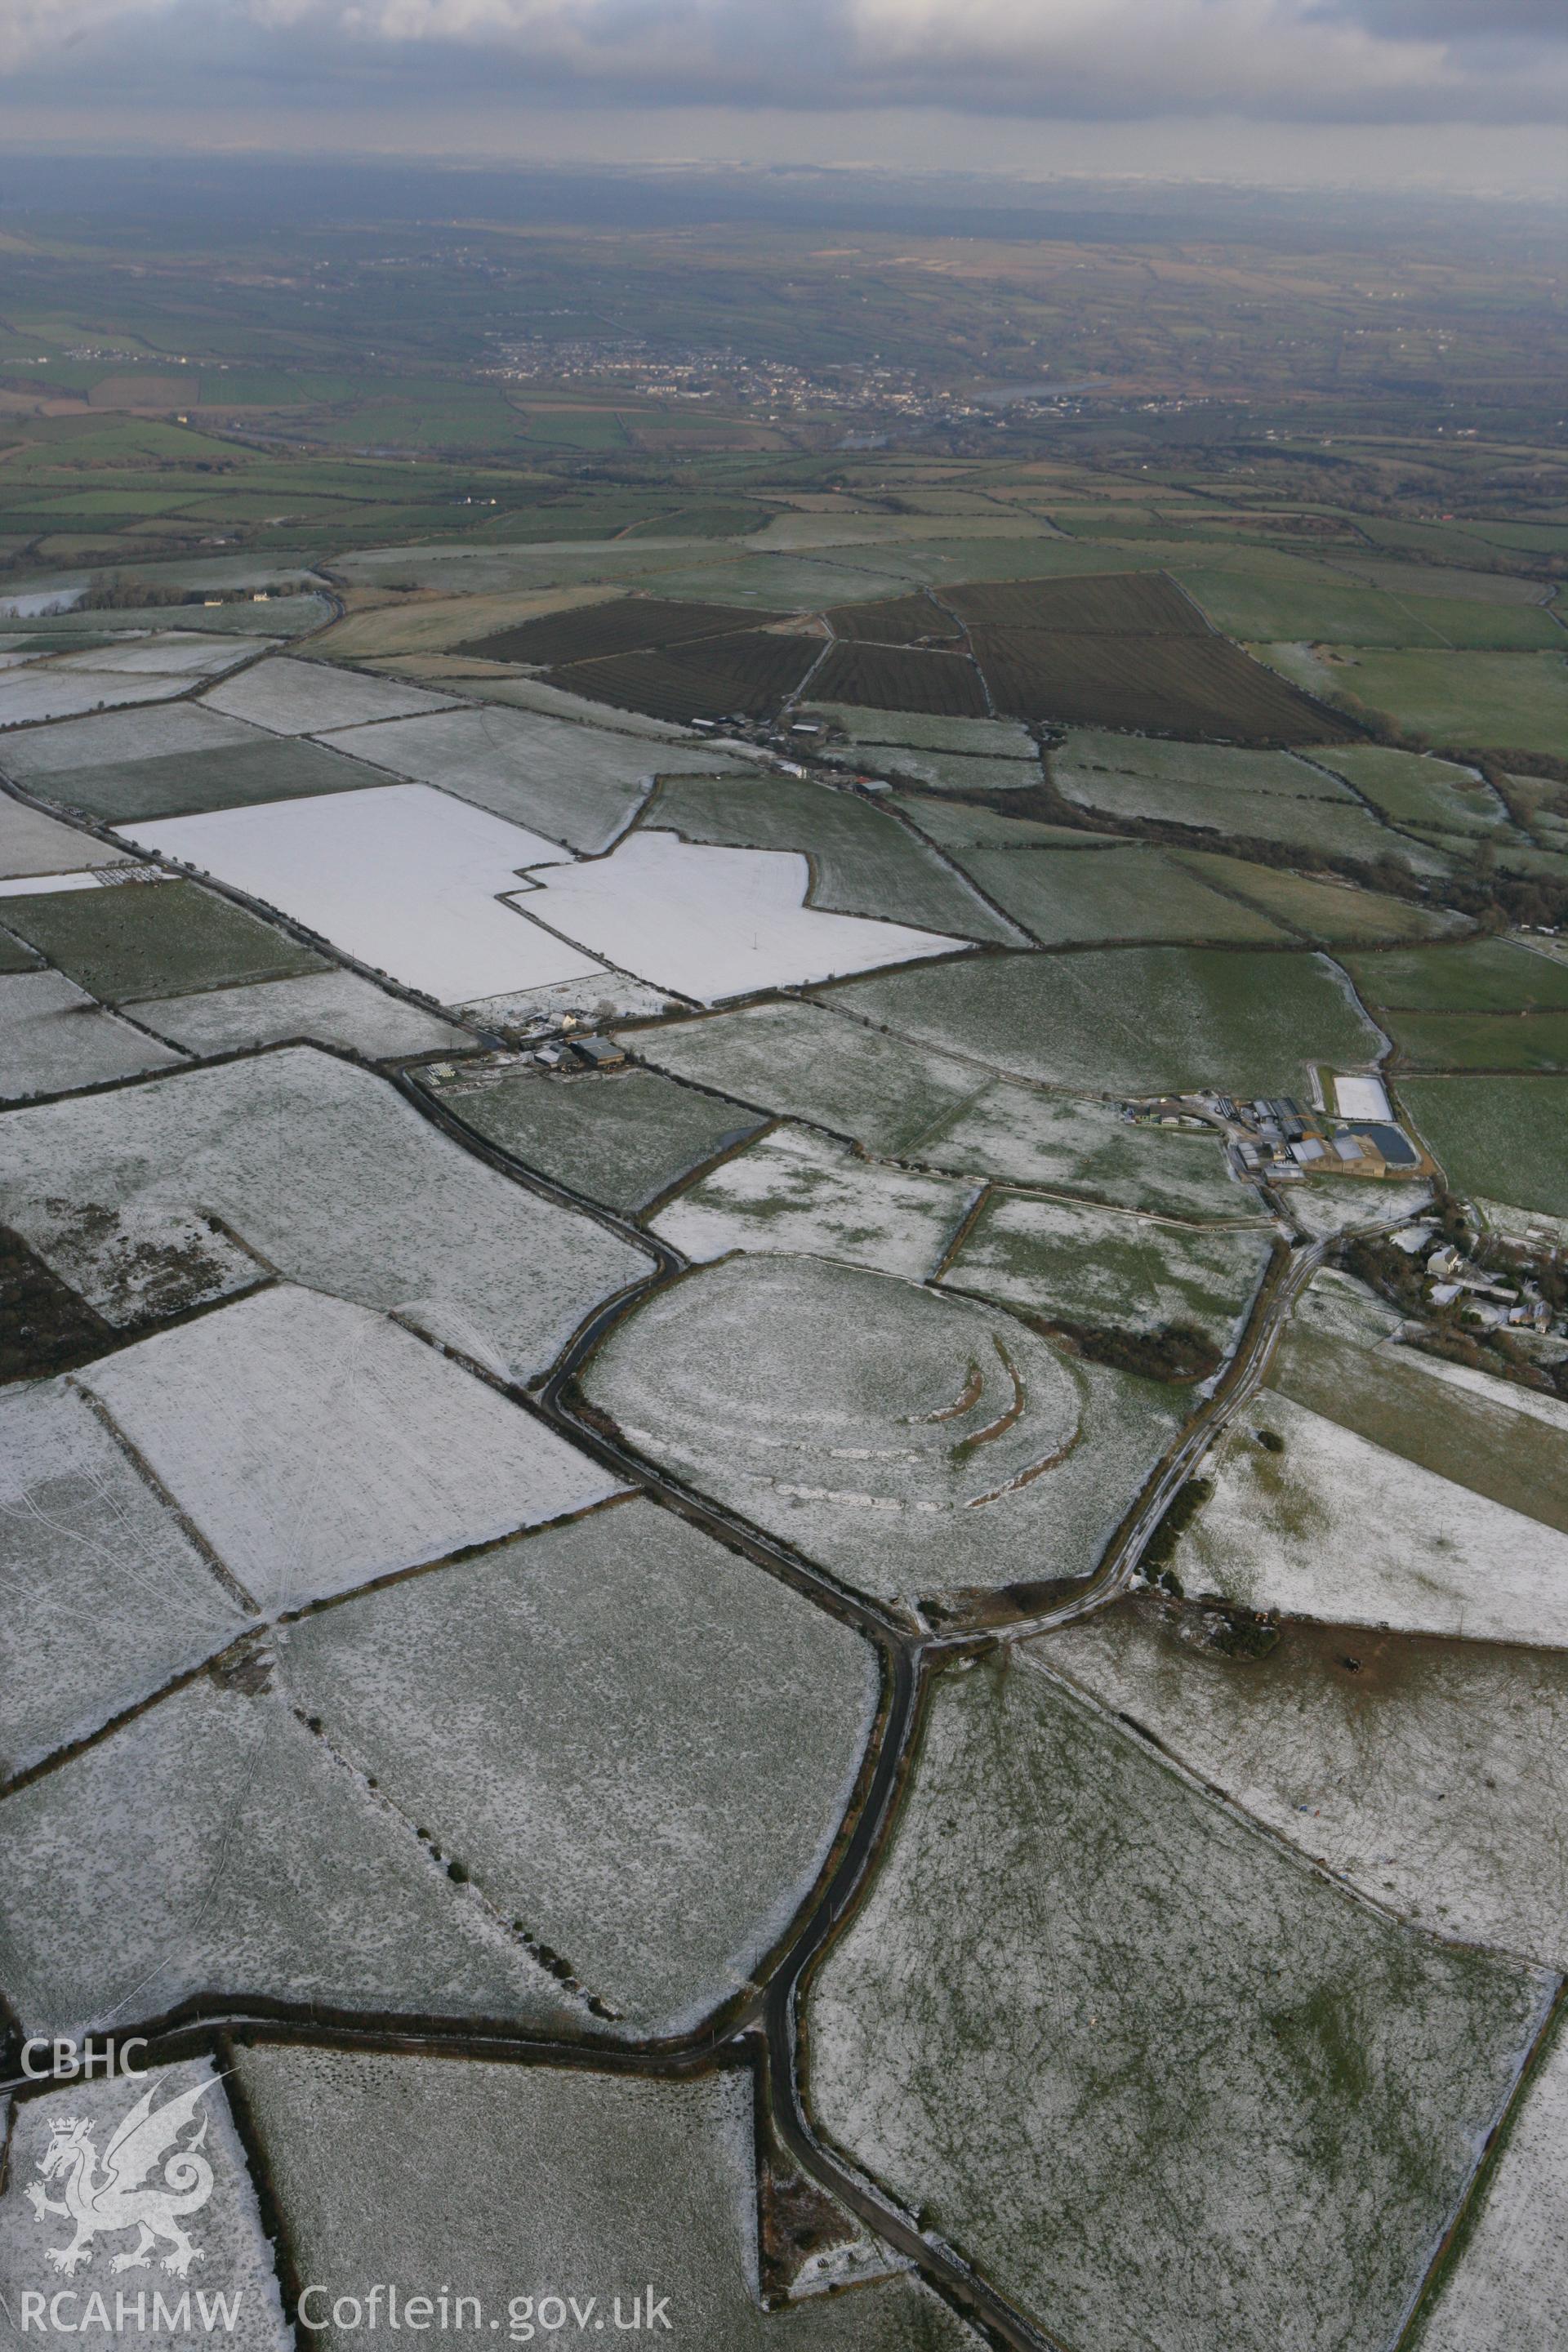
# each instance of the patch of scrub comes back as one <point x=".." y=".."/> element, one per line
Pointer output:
<point x="146" y="939"/>
<point x="911" y="1442"/>
<point x="579" y="785"/>
<point x="863" y="862"/>
<point x="1133" y="2057"/>
<point x="562" y="1716"/>
<point x="1430" y="1773"/>
<point x="105" y="1598"/>
<point x="218" y="1848"/>
<point x="1334" y="1526"/>
<point x="304" y="698"/>
<point x="330" y="1008"/>
<point x="1509" y="2284"/>
<point x="328" y="1174"/>
<point x="804" y="1061"/>
<point x="621" y="1138"/>
<point x="316" y="1445"/>
<point x="548" y="2174"/>
<point x="1074" y="1260"/>
<point x="54" y="1037"/>
<point x="145" y="1261"/>
<point x="713" y="923"/>
<point x="1137" y="1020"/>
<point x="403" y="878"/>
<point x="805" y="1194"/>
<point x="236" y="2253"/>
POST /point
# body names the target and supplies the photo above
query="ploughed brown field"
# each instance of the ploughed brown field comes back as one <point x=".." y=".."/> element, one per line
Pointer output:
<point x="747" y="672"/>
<point x="1197" y="686"/>
<point x="626" y="624"/>
<point x="893" y="621"/>
<point x="887" y="678"/>
<point x="1106" y="604"/>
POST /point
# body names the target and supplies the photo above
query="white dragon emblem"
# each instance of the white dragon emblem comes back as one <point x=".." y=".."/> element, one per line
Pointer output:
<point x="122" y="2197"/>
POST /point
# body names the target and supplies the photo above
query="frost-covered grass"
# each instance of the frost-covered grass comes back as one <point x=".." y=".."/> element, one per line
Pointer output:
<point x="1432" y="1774"/>
<point x="965" y="825"/>
<point x="337" y="1008"/>
<point x="1090" y="1264"/>
<point x="1064" y="898"/>
<point x="995" y="738"/>
<point x="331" y="1177"/>
<point x="1412" y="788"/>
<point x="807" y="1194"/>
<point x="32" y="842"/>
<point x="1493" y="1436"/>
<point x="535" y="2180"/>
<point x="863" y="862"/>
<point x="113" y="675"/>
<point x="805" y="1061"/>
<point x="316" y="1445"/>
<point x="53" y="1037"/>
<point x="139" y="940"/>
<point x="560" y="1716"/>
<point x="579" y="785"/>
<point x="1336" y="1528"/>
<point x="1135" y="1018"/>
<point x="304" y="698"/>
<point x="405" y="879"/>
<point x="951" y="771"/>
<point x="1142" y="2065"/>
<point x="177" y="653"/>
<point x="1077" y="1143"/>
<point x="910" y="1441"/>
<point x="120" y="739"/>
<point x="214" y="1845"/>
<point x="623" y="1137"/>
<point x="1501" y="1137"/>
<point x="104" y="1596"/>
<point x="1510" y="2284"/>
<point x="713" y="923"/>
<point x="237" y="2256"/>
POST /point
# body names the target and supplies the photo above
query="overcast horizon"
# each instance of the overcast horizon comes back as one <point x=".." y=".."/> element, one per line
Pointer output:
<point x="1307" y="93"/>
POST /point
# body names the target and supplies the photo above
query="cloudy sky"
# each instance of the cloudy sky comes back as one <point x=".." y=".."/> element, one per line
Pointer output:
<point x="1470" y="92"/>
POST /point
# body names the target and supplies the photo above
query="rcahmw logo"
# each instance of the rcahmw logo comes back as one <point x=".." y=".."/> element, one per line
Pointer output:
<point x="128" y="2192"/>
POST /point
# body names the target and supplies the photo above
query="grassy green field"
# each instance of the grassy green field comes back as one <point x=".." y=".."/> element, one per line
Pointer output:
<point x="1505" y="702"/>
<point x="1499" y="1137"/>
<point x="1138" y="1019"/>
<point x="1413" y="789"/>
<point x="1479" y="1041"/>
<point x="1331" y="912"/>
<point x="1485" y="975"/>
<point x="1064" y="897"/>
<point x="144" y="940"/>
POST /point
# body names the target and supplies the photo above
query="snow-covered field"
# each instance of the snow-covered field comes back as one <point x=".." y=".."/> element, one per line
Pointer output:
<point x="1105" y="2036"/>
<point x="801" y="1192"/>
<point x="304" y="698"/>
<point x="1508" y="2291"/>
<point x="116" y="739"/>
<point x="1077" y="1143"/>
<point x="1338" y="1529"/>
<point x="711" y="923"/>
<point x="337" y="1008"/>
<point x="553" y="2179"/>
<point x="330" y="1176"/>
<point x="146" y="1261"/>
<point x="406" y="879"/>
<point x="1433" y="1775"/>
<point x="174" y="654"/>
<point x="559" y="1715"/>
<point x="579" y="785"/>
<point x="215" y="1845"/>
<point x="103" y="1598"/>
<point x="53" y="1036"/>
<point x="910" y="1441"/>
<point x="1108" y="1266"/>
<point x="316" y="1445"/>
<point x="47" y="691"/>
<point x="32" y="843"/>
